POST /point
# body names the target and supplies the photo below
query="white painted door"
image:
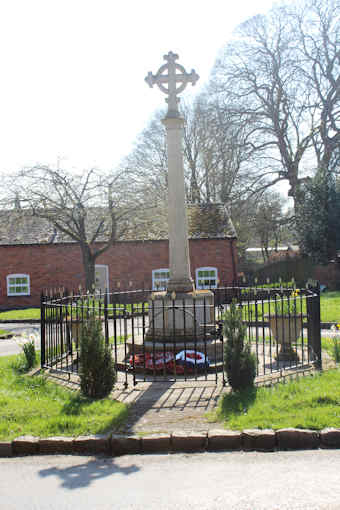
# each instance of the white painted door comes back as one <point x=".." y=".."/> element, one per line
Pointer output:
<point x="101" y="278"/>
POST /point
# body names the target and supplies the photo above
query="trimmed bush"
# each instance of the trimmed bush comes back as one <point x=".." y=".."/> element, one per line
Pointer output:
<point x="97" y="371"/>
<point x="240" y="363"/>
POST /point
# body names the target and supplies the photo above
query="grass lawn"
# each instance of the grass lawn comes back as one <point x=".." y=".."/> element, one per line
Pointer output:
<point x="35" y="406"/>
<point x="310" y="402"/>
<point x="330" y="306"/>
<point x="29" y="313"/>
<point x="4" y="333"/>
<point x="332" y="346"/>
<point x="34" y="313"/>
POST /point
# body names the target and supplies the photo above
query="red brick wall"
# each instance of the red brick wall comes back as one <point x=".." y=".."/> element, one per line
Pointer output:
<point x="60" y="265"/>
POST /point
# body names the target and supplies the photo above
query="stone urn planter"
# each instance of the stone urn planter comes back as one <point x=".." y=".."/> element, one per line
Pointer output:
<point x="286" y="329"/>
<point x="72" y="329"/>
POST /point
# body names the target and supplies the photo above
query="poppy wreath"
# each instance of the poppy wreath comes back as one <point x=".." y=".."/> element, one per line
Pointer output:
<point x="187" y="361"/>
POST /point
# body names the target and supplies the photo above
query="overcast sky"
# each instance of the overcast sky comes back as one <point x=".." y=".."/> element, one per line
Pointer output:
<point x="72" y="71"/>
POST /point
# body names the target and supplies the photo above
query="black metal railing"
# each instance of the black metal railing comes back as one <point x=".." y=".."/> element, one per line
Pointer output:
<point x="155" y="336"/>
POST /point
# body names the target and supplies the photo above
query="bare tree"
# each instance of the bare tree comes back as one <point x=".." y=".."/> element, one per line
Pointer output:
<point x="268" y="220"/>
<point x="145" y="169"/>
<point x="259" y="80"/>
<point x="280" y="78"/>
<point x="89" y="209"/>
<point x="318" y="28"/>
<point x="213" y="153"/>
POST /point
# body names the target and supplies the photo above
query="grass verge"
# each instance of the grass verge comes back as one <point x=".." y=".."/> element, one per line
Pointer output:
<point x="34" y="313"/>
<point x="332" y="347"/>
<point x="4" y="333"/>
<point x="27" y="314"/>
<point x="38" y="407"/>
<point x="330" y="306"/>
<point x="309" y="402"/>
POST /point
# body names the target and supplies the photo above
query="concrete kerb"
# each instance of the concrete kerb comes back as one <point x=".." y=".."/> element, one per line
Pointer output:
<point x="178" y="441"/>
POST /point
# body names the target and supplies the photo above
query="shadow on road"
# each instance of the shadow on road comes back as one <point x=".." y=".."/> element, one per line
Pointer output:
<point x="82" y="475"/>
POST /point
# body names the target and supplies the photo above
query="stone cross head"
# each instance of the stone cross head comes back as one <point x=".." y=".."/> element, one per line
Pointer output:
<point x="172" y="82"/>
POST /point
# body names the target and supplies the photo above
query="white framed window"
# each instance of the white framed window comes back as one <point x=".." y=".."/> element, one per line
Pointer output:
<point x="206" y="278"/>
<point x="160" y="278"/>
<point x="18" y="285"/>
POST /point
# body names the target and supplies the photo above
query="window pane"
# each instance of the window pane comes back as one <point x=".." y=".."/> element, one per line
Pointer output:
<point x="18" y="285"/>
<point x="160" y="278"/>
<point x="206" y="278"/>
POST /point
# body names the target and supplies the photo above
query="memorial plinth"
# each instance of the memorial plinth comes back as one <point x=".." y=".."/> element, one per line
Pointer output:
<point x="186" y="317"/>
<point x="181" y="313"/>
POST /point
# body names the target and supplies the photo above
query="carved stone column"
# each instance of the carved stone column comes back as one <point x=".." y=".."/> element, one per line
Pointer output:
<point x="180" y="277"/>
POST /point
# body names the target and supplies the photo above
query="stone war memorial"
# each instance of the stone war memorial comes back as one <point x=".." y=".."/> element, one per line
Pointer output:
<point x="176" y="330"/>
<point x="181" y="313"/>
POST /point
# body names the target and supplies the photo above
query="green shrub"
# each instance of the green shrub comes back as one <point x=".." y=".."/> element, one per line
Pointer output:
<point x="239" y="362"/>
<point x="97" y="372"/>
<point x="30" y="354"/>
<point x="332" y="343"/>
<point x="336" y="350"/>
<point x="28" y="359"/>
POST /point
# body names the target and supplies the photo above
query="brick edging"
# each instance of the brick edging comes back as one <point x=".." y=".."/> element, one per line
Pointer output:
<point x="178" y="441"/>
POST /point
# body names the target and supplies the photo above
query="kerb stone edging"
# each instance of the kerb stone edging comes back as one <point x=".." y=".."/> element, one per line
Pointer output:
<point x="178" y="441"/>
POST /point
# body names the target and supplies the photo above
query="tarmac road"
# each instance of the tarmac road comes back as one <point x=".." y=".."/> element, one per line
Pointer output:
<point x="207" y="481"/>
<point x="9" y="346"/>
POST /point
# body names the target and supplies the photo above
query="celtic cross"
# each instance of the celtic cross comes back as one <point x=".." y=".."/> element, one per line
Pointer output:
<point x="167" y="79"/>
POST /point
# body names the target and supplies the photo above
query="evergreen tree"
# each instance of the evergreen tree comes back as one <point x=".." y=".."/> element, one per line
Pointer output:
<point x="239" y="362"/>
<point x="97" y="372"/>
<point x="317" y="217"/>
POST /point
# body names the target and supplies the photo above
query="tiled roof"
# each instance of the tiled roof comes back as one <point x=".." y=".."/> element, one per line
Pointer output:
<point x="19" y="226"/>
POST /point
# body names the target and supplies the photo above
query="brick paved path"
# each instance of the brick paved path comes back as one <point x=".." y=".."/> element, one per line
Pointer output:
<point x="165" y="407"/>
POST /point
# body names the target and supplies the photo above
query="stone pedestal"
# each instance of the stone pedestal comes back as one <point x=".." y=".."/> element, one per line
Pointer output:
<point x="189" y="317"/>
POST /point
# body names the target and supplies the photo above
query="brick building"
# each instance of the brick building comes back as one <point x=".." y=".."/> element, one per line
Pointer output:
<point x="33" y="256"/>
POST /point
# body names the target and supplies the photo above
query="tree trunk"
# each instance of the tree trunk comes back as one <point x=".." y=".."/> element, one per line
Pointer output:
<point x="89" y="261"/>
